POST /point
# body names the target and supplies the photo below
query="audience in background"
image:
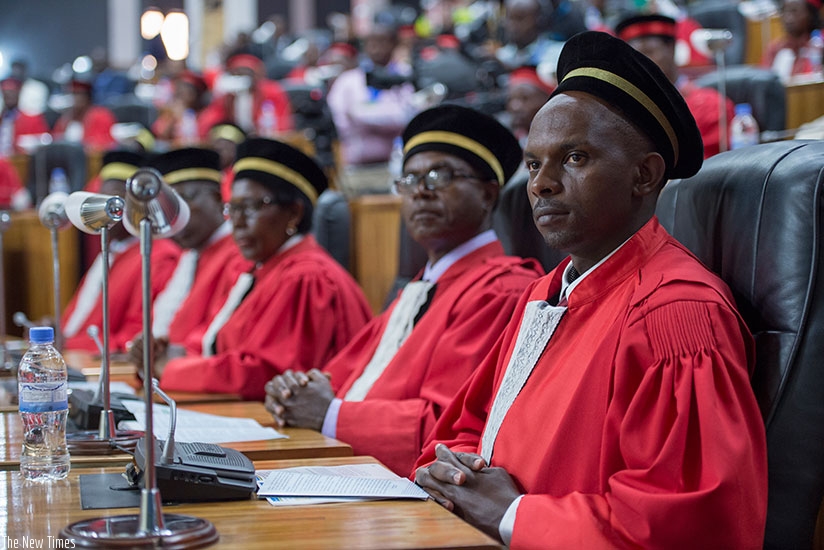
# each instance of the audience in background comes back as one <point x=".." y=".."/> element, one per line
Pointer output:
<point x="14" y="122"/>
<point x="654" y="36"/>
<point x="799" y="51"/>
<point x="224" y="137"/>
<point x="84" y="122"/>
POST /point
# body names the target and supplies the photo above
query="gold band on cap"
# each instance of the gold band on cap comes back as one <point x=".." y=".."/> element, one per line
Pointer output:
<point x="280" y="170"/>
<point x="227" y="132"/>
<point x="117" y="171"/>
<point x="145" y="138"/>
<point x="451" y="138"/>
<point x="189" y="174"/>
<point x="636" y="94"/>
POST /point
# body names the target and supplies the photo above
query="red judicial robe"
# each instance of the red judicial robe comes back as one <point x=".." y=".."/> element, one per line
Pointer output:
<point x="704" y="104"/>
<point x="10" y="183"/>
<point x="638" y="426"/>
<point x="218" y="266"/>
<point x="303" y="309"/>
<point x="25" y="125"/>
<point x="472" y="305"/>
<point x="125" y="296"/>
<point x="97" y="127"/>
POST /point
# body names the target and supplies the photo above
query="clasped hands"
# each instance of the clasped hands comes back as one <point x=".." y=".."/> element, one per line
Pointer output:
<point x="465" y="485"/>
<point x="299" y="399"/>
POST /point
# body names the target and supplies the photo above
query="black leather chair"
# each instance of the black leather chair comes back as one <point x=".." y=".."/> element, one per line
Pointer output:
<point x="754" y="217"/>
<point x="125" y="110"/>
<point x="716" y="14"/>
<point x="69" y="156"/>
<point x="332" y="225"/>
<point x="759" y="87"/>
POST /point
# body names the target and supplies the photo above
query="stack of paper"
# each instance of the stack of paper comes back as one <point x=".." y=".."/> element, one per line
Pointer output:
<point x="323" y="484"/>
<point x="198" y="427"/>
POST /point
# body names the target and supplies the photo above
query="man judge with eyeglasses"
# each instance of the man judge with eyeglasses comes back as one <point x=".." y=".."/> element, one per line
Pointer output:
<point x="383" y="393"/>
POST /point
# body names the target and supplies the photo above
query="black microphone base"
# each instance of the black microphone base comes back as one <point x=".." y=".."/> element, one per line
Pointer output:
<point x="84" y="411"/>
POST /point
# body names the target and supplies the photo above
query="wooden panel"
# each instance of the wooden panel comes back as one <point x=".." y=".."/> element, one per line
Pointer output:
<point x="759" y="34"/>
<point x="27" y="258"/>
<point x="38" y="511"/>
<point x="376" y="223"/>
<point x="805" y="102"/>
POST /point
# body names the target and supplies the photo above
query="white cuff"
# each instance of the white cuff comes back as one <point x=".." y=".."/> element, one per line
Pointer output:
<point x="330" y="421"/>
<point x="508" y="521"/>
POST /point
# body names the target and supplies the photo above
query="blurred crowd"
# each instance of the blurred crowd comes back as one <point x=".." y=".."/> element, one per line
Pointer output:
<point x="350" y="96"/>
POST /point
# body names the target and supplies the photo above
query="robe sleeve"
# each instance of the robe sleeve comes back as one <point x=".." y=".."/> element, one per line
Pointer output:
<point x="690" y="472"/>
<point x="394" y="430"/>
<point x="298" y="325"/>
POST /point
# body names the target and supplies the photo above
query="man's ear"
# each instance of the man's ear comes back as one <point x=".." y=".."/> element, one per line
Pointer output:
<point x="650" y="174"/>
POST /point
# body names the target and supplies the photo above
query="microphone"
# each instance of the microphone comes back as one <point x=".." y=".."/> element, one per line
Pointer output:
<point x="711" y="40"/>
<point x="22" y="321"/>
<point x="91" y="212"/>
<point x="169" y="447"/>
<point x="52" y="211"/>
<point x="149" y="197"/>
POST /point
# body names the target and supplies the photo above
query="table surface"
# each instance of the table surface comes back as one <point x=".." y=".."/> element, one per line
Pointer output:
<point x="301" y="443"/>
<point x="39" y="511"/>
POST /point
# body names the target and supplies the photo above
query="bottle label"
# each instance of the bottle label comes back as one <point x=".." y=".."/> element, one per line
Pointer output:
<point x="43" y="396"/>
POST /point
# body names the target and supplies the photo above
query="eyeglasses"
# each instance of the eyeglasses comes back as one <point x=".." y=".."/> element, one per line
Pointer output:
<point x="249" y="208"/>
<point x="434" y="179"/>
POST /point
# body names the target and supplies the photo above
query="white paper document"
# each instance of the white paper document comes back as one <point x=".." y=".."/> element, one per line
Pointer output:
<point x="114" y="387"/>
<point x="199" y="427"/>
<point x="322" y="484"/>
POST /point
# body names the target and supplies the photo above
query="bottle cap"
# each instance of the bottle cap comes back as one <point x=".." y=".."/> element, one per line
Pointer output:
<point x="743" y="109"/>
<point x="41" y="335"/>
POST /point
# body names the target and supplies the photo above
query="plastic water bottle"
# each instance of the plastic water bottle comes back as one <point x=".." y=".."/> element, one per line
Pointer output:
<point x="267" y="122"/>
<point x="395" y="160"/>
<point x="6" y="137"/>
<point x="42" y="381"/>
<point x="188" y="128"/>
<point x="744" y="130"/>
<point x="813" y="51"/>
<point x="58" y="182"/>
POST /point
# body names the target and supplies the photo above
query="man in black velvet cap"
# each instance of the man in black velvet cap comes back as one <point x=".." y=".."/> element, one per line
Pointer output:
<point x="616" y="410"/>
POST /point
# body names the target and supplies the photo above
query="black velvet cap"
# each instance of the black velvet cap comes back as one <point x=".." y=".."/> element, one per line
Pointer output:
<point x="468" y="134"/>
<point x="613" y="71"/>
<point x="120" y="164"/>
<point x="188" y="164"/>
<point x="272" y="162"/>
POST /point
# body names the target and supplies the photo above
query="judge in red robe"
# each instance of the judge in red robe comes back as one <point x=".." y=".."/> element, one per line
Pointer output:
<point x="297" y="308"/>
<point x="209" y="263"/>
<point x="21" y="124"/>
<point x="655" y="36"/>
<point x="391" y="390"/>
<point x="125" y="297"/>
<point x="261" y="107"/>
<point x="84" y="122"/>
<point x="616" y="411"/>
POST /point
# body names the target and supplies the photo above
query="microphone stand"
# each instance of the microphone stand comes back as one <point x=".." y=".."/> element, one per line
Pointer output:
<point x="6" y="364"/>
<point x="718" y="40"/>
<point x="97" y="213"/>
<point x="151" y="207"/>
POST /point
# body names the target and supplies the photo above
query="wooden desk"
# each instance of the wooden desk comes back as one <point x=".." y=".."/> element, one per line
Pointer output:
<point x="39" y="511"/>
<point x="805" y="102"/>
<point x="376" y="222"/>
<point x="301" y="443"/>
<point x="27" y="262"/>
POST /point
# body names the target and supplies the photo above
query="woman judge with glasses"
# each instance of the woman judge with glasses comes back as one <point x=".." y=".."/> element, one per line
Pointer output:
<point x="390" y="384"/>
<point x="297" y="307"/>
